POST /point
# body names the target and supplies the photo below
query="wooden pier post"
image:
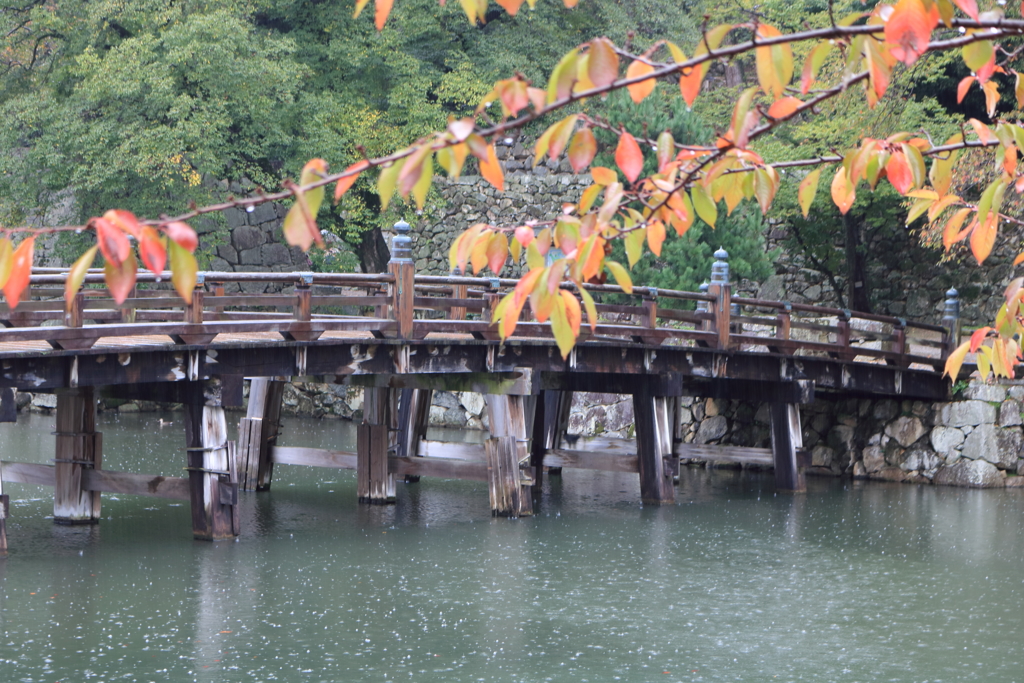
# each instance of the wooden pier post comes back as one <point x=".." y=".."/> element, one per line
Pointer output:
<point x="257" y="434"/>
<point x="213" y="485"/>
<point x="5" y="506"/>
<point x="509" y="480"/>
<point x="787" y="439"/>
<point x="78" y="447"/>
<point x="655" y="418"/>
<point x="374" y="482"/>
<point x="413" y="418"/>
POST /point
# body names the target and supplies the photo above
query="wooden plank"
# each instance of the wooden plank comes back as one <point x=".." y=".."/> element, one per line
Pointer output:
<point x="173" y="488"/>
<point x="314" y="457"/>
<point x="438" y="467"/>
<point x="593" y="460"/>
<point x="248" y="452"/>
<point x="266" y="395"/>
<point x="28" y="473"/>
<point x="452" y="450"/>
<point x="504" y="479"/>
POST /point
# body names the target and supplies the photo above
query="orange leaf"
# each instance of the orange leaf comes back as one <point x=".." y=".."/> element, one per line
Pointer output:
<point x="1010" y="160"/>
<point x="510" y="6"/>
<point x="604" y="176"/>
<point x="951" y="232"/>
<point x="843" y="192"/>
<point x="582" y="149"/>
<point x="1019" y="260"/>
<point x="955" y="361"/>
<point x="985" y="133"/>
<point x="184" y="235"/>
<point x="655" y="236"/>
<point x="784" y="107"/>
<point x="21" y="271"/>
<point x="490" y="169"/>
<point x="984" y="238"/>
<point x="346" y="182"/>
<point x="383" y="10"/>
<point x="640" y="91"/>
<point x="970" y="7"/>
<point x="121" y="278"/>
<point x="628" y="157"/>
<point x="909" y="29"/>
<point x="978" y="336"/>
<point x="689" y="84"/>
<point x="152" y="251"/>
<point x="899" y="173"/>
<point x="299" y="225"/>
<point x="963" y="87"/>
<point x="113" y="242"/>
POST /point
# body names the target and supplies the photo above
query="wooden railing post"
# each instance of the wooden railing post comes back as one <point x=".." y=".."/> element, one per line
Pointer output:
<point x="128" y="312"/>
<point x="458" y="292"/>
<point x="303" y="311"/>
<point x="194" y="309"/>
<point x="721" y="307"/>
<point x="73" y="315"/>
<point x="403" y="269"/>
<point x="951" y="321"/>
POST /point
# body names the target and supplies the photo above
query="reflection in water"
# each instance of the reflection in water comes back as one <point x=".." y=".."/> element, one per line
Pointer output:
<point x="851" y="581"/>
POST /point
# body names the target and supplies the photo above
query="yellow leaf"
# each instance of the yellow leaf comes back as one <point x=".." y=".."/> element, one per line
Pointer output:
<point x="808" y="189"/>
<point x="77" y="274"/>
<point x="955" y="360"/>
<point x="621" y="275"/>
<point x="588" y="303"/>
<point x="183" y="270"/>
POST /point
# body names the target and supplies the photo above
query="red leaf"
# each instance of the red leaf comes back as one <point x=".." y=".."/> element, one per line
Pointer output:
<point x="121" y="278"/>
<point x="970" y="7"/>
<point x="182" y="234"/>
<point x="125" y="221"/>
<point x="963" y="87"/>
<point x="524" y="235"/>
<point x="978" y="336"/>
<point x="510" y="6"/>
<point x="908" y="30"/>
<point x="113" y="242"/>
<point x="21" y="271"/>
<point x="898" y="171"/>
<point x="152" y="251"/>
<point x="629" y="158"/>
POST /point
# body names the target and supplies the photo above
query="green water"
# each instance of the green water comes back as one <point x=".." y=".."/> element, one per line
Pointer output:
<point x="848" y="582"/>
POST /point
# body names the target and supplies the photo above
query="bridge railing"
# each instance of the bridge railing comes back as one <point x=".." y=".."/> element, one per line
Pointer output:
<point x="304" y="306"/>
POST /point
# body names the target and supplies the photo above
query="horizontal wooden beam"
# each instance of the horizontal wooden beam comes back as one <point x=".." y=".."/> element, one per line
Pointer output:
<point x="313" y="457"/>
<point x="592" y="460"/>
<point x="107" y="481"/>
<point x="736" y="454"/>
<point x="518" y="383"/>
<point x="444" y="468"/>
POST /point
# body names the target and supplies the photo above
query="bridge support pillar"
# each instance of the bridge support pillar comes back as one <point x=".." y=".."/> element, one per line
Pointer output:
<point x="508" y="459"/>
<point x="79" y="447"/>
<point x="413" y="417"/>
<point x="554" y="407"/>
<point x="655" y="418"/>
<point x="787" y="439"/>
<point x="374" y="482"/>
<point x="4" y="508"/>
<point x="212" y="478"/>
<point x="257" y="434"/>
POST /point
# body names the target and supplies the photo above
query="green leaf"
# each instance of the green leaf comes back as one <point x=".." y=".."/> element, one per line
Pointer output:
<point x="387" y="183"/>
<point x="977" y="55"/>
<point x="635" y="245"/>
<point x="563" y="77"/>
<point x="183" y="270"/>
<point x="704" y="204"/>
<point x="534" y="259"/>
<point x="588" y="303"/>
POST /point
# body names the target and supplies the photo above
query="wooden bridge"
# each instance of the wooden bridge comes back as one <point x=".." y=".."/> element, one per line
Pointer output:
<point x="402" y="336"/>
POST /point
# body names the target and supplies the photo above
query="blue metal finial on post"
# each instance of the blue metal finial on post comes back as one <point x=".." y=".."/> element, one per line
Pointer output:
<point x="720" y="269"/>
<point x="401" y="243"/>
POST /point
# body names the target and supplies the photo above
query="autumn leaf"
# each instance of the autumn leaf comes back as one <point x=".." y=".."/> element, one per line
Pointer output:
<point x="76" y="275"/>
<point x="183" y="234"/>
<point x="183" y="270"/>
<point x="909" y="29"/>
<point x="497" y="252"/>
<point x="299" y="226"/>
<point x="113" y="242"/>
<point x="970" y="7"/>
<point x="152" y="250"/>
<point x="843" y="193"/>
<point x="784" y="107"/>
<point x="628" y="157"/>
<point x="573" y="313"/>
<point x="383" y="8"/>
<point x="603" y="63"/>
<point x="5" y="260"/>
<point x="640" y="91"/>
<point x="978" y="337"/>
<point x="346" y="182"/>
<point x="491" y="170"/>
<point x="774" y="63"/>
<point x="21" y="271"/>
<point x="655" y="237"/>
<point x="808" y="189"/>
<point x="983" y="238"/>
<point x="524" y="235"/>
<point x="124" y="221"/>
<point x="621" y="276"/>
<point x="121" y="277"/>
<point x="582" y="149"/>
<point x="704" y="204"/>
<point x="898" y="171"/>
<point x="955" y="361"/>
<point x="510" y="6"/>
